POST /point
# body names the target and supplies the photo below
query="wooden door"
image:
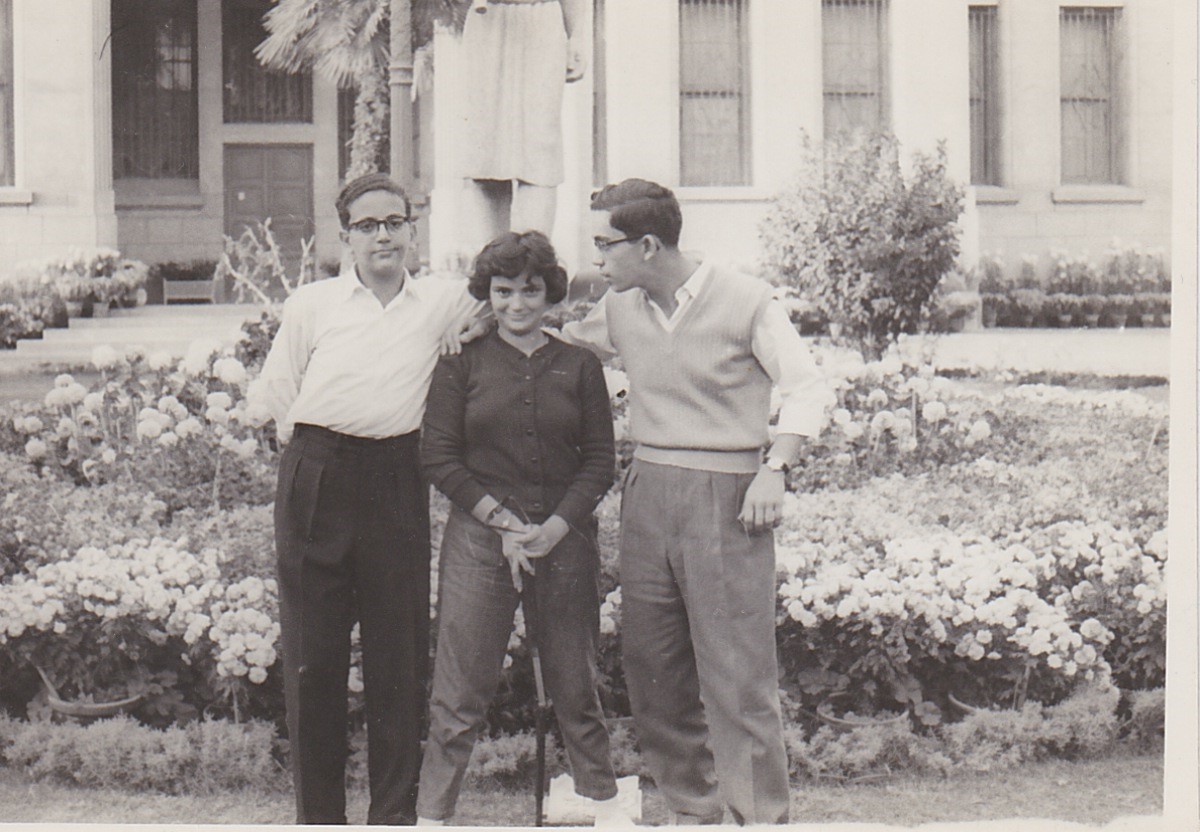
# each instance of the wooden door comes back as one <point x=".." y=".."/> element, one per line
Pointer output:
<point x="271" y="181"/>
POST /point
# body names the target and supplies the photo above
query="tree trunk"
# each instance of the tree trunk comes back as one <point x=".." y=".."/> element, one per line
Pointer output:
<point x="371" y="112"/>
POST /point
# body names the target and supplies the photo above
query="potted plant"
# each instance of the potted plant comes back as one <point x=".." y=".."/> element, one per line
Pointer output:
<point x="1028" y="304"/>
<point x="991" y="304"/>
<point x="1116" y="309"/>
<point x="104" y="292"/>
<point x="173" y="280"/>
<point x="132" y="276"/>
<point x="1062" y="307"/>
<point x="74" y="289"/>
<point x="1090" y="307"/>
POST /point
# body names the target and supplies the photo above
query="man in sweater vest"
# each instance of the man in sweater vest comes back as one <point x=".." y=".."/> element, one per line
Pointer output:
<point x="702" y="347"/>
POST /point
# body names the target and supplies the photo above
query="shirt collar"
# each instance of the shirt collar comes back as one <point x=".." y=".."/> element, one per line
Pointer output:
<point x="349" y="283"/>
<point x="692" y="286"/>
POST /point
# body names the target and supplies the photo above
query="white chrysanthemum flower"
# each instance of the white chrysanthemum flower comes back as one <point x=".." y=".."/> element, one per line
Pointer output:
<point x="105" y="357"/>
<point x="160" y="360"/>
<point x="35" y="449"/>
<point x="195" y="362"/>
<point x="883" y="420"/>
<point x="230" y="371"/>
<point x="933" y="412"/>
<point x="219" y="400"/>
<point x="189" y="427"/>
<point x="149" y="429"/>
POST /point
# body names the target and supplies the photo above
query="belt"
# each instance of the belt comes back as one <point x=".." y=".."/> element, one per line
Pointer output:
<point x="333" y="440"/>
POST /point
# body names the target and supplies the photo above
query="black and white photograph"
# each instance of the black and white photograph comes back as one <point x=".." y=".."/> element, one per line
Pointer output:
<point x="614" y="413"/>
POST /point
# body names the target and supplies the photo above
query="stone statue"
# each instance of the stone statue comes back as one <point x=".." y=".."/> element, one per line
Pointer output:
<point x="518" y="54"/>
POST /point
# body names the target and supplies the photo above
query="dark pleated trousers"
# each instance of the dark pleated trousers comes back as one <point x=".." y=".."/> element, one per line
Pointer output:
<point x="352" y="540"/>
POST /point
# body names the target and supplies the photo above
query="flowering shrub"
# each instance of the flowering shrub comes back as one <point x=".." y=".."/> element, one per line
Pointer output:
<point x="892" y="414"/>
<point x="44" y="518"/>
<point x="144" y="617"/>
<point x="184" y="427"/>
<point x="15" y="324"/>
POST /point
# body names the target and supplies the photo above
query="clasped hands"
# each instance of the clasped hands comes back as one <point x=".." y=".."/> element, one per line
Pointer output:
<point x="524" y="542"/>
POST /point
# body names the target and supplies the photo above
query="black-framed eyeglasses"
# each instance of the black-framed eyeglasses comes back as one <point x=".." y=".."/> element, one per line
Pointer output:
<point x="603" y="245"/>
<point x="370" y="225"/>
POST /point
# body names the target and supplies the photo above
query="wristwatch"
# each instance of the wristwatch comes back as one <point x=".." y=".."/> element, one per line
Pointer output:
<point x="777" y="465"/>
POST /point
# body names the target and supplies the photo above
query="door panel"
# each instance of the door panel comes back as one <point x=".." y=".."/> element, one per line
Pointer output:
<point x="271" y="181"/>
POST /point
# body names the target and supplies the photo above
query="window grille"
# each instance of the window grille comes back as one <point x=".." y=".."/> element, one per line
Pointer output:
<point x="155" y="118"/>
<point x="854" y="65"/>
<point x="345" y="127"/>
<point x="985" y="94"/>
<point x="714" y="93"/>
<point x="252" y="92"/>
<point x="7" y="113"/>
<point x="599" y="98"/>
<point x="1089" y="69"/>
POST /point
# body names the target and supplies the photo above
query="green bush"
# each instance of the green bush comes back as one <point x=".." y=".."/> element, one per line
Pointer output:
<point x="866" y="243"/>
<point x="1083" y="726"/>
<point x="203" y="758"/>
<point x="1147" y="719"/>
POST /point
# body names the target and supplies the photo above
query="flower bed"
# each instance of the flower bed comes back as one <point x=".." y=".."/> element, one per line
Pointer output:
<point x="944" y="538"/>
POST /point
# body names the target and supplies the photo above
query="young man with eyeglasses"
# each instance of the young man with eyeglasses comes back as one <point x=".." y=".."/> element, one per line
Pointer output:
<point x="702" y="346"/>
<point x="346" y="380"/>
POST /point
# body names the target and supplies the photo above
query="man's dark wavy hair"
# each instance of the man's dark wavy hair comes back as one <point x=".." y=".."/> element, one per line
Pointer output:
<point x="364" y="185"/>
<point x="513" y="254"/>
<point x="638" y="207"/>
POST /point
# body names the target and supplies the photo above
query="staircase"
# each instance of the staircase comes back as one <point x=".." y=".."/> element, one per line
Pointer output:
<point x="154" y="328"/>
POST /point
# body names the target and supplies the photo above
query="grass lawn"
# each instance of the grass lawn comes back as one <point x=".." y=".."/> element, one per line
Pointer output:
<point x="1093" y="792"/>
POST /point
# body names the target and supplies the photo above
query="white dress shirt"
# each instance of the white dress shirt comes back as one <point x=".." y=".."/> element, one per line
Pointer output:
<point x="803" y="392"/>
<point x="344" y="361"/>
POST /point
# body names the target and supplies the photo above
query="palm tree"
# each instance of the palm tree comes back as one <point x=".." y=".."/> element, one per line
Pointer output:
<point x="347" y="42"/>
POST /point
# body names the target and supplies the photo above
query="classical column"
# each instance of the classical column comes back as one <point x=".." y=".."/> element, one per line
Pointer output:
<point x="400" y="80"/>
<point x="102" y="151"/>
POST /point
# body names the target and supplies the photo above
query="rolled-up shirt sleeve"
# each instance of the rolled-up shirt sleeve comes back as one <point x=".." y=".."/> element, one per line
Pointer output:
<point x="443" y="435"/>
<point x="804" y="392"/>
<point x="278" y="385"/>
<point x="598" y="464"/>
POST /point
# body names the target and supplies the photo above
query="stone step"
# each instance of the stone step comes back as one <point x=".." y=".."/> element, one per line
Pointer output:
<point x="151" y="316"/>
<point x="155" y="328"/>
<point x="159" y="331"/>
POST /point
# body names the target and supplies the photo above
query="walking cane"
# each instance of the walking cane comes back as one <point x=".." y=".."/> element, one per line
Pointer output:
<point x="529" y="603"/>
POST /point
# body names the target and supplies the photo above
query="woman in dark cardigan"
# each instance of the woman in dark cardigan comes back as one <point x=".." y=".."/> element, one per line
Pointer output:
<point x="518" y="434"/>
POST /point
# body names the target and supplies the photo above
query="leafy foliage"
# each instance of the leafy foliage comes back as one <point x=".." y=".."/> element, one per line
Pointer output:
<point x="866" y="243"/>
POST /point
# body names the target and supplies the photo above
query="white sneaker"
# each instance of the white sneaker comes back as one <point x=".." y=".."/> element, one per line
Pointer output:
<point x="611" y="814"/>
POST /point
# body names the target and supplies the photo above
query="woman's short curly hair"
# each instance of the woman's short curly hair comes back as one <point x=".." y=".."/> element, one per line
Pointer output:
<point x="513" y="254"/>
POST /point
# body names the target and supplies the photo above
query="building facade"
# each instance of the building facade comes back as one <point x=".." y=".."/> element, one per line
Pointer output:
<point x="147" y="125"/>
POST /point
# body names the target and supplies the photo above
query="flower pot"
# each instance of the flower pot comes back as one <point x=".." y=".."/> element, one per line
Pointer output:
<point x="825" y="713"/>
<point x="1118" y="319"/>
<point x="989" y="317"/>
<point x="101" y="309"/>
<point x="1147" y="319"/>
<point x="835" y="329"/>
<point x="1025" y="319"/>
<point x="84" y="710"/>
<point x="1064" y="319"/>
<point x="74" y="308"/>
<point x="1165" y="318"/>
<point x="1091" y="319"/>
